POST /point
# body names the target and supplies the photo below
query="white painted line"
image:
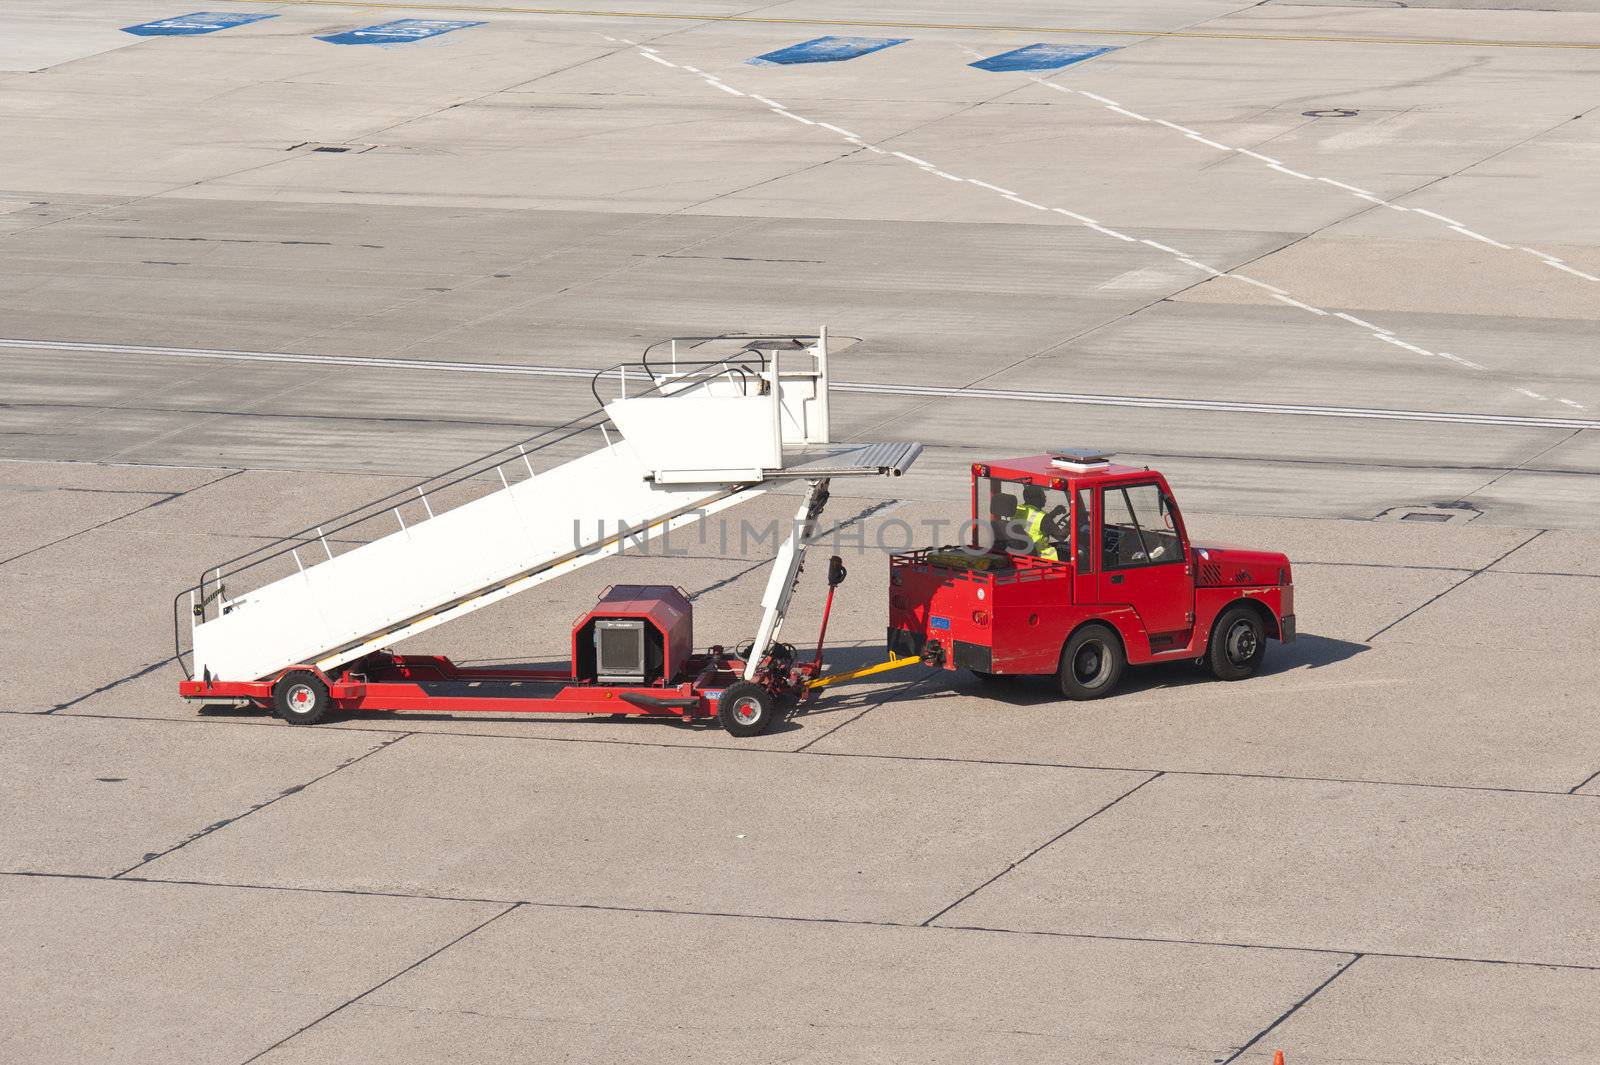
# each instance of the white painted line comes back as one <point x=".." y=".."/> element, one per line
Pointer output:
<point x="1353" y="188"/>
<point x="1374" y="199"/>
<point x="1530" y="395"/>
<point x="946" y="176"/>
<point x="1296" y="303"/>
<point x="1258" y="155"/>
<point x="727" y="88"/>
<point x="1162" y="247"/>
<point x="585" y="373"/>
<point x="658" y="59"/>
<point x="647" y="48"/>
<point x="763" y="99"/>
<point x="1085" y="219"/>
<point x="1198" y="265"/>
<point x="1174" y="125"/>
<point x="791" y="114"/>
<point x="1108" y="102"/>
<point x="1570" y="270"/>
<point x="1468" y="363"/>
<point x="1435" y="214"/>
<point x="912" y="159"/>
<point x="839" y="130"/>
<point x="1208" y="141"/>
<point x="1546" y="256"/>
<point x="1027" y="203"/>
<point x="1397" y="342"/>
<point x="1259" y="284"/>
<point x="1572" y="403"/>
<point x="1393" y="206"/>
<point x="1130" y="114"/>
<point x="1292" y="173"/>
<point x="1352" y="319"/>
<point x="986" y="185"/>
<point x="1109" y="232"/>
<point x="693" y="70"/>
<point x="1480" y="236"/>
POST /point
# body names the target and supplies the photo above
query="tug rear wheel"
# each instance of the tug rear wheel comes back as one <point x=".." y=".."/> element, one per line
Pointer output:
<point x="746" y="709"/>
<point x="1091" y="663"/>
<point x="300" y="697"/>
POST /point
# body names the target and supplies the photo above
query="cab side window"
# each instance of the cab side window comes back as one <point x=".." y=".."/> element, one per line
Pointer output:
<point x="1140" y="528"/>
<point x="1084" y="531"/>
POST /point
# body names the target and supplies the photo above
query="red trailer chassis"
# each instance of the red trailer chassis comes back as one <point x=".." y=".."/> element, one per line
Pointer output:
<point x="385" y="681"/>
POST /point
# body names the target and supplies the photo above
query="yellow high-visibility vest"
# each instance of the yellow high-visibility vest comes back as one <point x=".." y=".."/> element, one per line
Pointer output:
<point x="1032" y="519"/>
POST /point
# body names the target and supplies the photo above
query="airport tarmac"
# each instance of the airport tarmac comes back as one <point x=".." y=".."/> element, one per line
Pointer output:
<point x="1332" y="267"/>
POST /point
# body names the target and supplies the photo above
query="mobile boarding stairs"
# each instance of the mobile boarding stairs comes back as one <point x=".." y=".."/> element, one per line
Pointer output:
<point x="695" y="426"/>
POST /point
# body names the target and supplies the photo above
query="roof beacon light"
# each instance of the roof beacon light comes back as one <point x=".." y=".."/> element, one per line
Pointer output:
<point x="1080" y="459"/>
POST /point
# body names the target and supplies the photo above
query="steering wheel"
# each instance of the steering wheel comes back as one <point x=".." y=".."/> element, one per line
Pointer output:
<point x="1055" y="525"/>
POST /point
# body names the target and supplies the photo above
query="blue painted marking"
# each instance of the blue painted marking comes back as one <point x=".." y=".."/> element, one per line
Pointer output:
<point x="189" y="25"/>
<point x="397" y="32"/>
<point x="828" y="50"/>
<point x="1043" y="57"/>
<point x="937" y="622"/>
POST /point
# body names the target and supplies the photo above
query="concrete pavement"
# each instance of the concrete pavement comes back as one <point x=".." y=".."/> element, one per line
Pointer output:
<point x="1325" y="265"/>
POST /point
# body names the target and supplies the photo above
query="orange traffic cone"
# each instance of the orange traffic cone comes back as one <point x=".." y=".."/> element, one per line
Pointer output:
<point x="1277" y="1057"/>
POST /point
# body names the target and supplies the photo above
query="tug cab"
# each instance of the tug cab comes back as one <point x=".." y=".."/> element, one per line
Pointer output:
<point x="1106" y="577"/>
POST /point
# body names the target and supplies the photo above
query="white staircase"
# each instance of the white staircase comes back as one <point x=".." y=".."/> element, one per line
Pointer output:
<point x="695" y="438"/>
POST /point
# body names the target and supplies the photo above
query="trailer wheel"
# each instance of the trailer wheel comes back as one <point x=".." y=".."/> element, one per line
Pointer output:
<point x="300" y="697"/>
<point x="1238" y="643"/>
<point x="746" y="709"/>
<point x="1091" y="663"/>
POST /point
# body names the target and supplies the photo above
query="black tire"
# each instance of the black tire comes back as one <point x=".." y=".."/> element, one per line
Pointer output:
<point x="746" y="709"/>
<point x="1238" y="643"/>
<point x="1091" y="663"/>
<point x="300" y="697"/>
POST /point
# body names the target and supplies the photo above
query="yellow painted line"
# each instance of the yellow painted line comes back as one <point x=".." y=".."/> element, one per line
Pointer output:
<point x="1464" y="42"/>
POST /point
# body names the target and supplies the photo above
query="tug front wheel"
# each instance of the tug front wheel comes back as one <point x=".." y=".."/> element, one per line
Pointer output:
<point x="746" y="709"/>
<point x="300" y="697"/>
<point x="1238" y="643"/>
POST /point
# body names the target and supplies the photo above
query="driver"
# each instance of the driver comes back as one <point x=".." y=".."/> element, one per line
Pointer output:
<point x="1031" y="516"/>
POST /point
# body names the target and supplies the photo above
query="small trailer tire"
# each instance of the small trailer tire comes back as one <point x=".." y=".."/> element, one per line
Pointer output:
<point x="1238" y="643"/>
<point x="1091" y="663"/>
<point x="746" y="709"/>
<point x="300" y="697"/>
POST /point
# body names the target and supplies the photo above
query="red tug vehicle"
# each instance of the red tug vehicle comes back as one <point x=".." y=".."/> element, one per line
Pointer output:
<point x="1088" y="568"/>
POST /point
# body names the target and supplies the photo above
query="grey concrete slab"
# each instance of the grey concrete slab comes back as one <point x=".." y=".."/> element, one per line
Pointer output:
<point x="1477" y="875"/>
<point x="1406" y="1009"/>
<point x="45" y="515"/>
<point x="1557" y="551"/>
<point x="97" y="797"/>
<point x="1322" y="708"/>
<point x="1495" y="609"/>
<point x="127" y="972"/>
<point x="548" y="984"/>
<point x="897" y="845"/>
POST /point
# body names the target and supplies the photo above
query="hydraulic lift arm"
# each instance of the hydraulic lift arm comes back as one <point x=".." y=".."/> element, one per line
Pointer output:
<point x="786" y="567"/>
